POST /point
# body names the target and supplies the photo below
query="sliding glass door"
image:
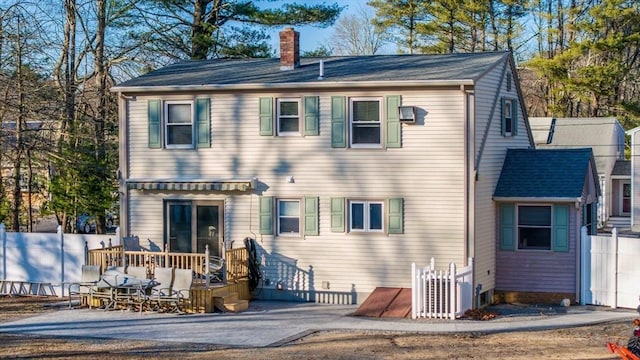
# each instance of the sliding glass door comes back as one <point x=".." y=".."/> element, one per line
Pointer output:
<point x="191" y="225"/>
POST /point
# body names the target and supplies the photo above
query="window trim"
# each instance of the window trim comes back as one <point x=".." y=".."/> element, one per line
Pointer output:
<point x="551" y="227"/>
<point x="380" y="122"/>
<point x="278" y="216"/>
<point x="367" y="216"/>
<point x="508" y="103"/>
<point x="278" y="116"/>
<point x="165" y="124"/>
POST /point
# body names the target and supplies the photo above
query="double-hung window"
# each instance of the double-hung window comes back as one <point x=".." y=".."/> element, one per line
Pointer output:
<point x="288" y="217"/>
<point x="366" y="216"/>
<point x="365" y="122"/>
<point x="179" y="124"/>
<point x="534" y="227"/>
<point x="288" y="117"/>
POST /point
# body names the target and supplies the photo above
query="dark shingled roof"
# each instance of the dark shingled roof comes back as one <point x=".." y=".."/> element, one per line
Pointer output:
<point x="622" y="168"/>
<point x="531" y="173"/>
<point x="445" y="67"/>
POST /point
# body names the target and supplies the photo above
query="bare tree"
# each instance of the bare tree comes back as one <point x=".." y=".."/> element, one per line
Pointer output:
<point x="356" y="35"/>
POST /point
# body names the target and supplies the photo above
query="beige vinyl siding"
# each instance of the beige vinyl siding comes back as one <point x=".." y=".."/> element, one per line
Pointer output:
<point x="490" y="166"/>
<point x="427" y="172"/>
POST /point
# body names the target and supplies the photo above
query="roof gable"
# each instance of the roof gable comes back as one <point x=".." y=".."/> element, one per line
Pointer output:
<point x="531" y="173"/>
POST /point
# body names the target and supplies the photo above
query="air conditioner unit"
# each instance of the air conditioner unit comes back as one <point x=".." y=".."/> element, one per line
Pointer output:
<point x="407" y="114"/>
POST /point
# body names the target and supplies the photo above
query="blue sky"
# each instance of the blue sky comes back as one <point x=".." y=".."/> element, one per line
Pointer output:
<point x="312" y="37"/>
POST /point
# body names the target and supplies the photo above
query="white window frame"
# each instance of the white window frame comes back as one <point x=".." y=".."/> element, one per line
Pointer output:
<point x="279" y="116"/>
<point x="278" y="217"/>
<point x="367" y="216"/>
<point x="550" y="227"/>
<point x="351" y="122"/>
<point x="508" y="120"/>
<point x="166" y="125"/>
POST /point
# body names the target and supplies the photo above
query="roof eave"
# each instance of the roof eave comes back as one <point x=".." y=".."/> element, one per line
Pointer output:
<point x="325" y="84"/>
<point x="531" y="199"/>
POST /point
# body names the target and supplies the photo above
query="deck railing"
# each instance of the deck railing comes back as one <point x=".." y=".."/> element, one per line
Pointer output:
<point x="235" y="261"/>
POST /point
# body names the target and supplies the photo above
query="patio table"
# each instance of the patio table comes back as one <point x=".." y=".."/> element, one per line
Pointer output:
<point x="118" y="287"/>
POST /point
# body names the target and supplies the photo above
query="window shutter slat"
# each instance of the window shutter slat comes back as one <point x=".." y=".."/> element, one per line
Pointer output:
<point x="394" y="128"/>
<point x="337" y="215"/>
<point x="266" y="215"/>
<point x="561" y="228"/>
<point x="266" y="116"/>
<point x="311" y="116"/>
<point x="395" y="216"/>
<point x="311" y="215"/>
<point x="338" y="120"/>
<point x="154" y="114"/>
<point x="203" y="123"/>
<point x="507" y="227"/>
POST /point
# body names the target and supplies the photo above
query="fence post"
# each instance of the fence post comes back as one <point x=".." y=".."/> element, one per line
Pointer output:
<point x="613" y="268"/>
<point x="585" y="265"/>
<point x="414" y="292"/>
<point x="3" y="238"/>
<point x="453" y="299"/>
<point x="62" y="258"/>
<point x="206" y="266"/>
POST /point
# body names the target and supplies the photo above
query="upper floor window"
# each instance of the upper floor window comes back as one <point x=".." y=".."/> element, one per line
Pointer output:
<point x="509" y="117"/>
<point x="534" y="227"/>
<point x="179" y="124"/>
<point x="366" y="216"/>
<point x="365" y="122"/>
<point x="288" y="217"/>
<point x="179" y="129"/>
<point x="288" y="117"/>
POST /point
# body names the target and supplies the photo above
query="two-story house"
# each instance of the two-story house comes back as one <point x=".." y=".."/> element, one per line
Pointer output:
<point x="345" y="170"/>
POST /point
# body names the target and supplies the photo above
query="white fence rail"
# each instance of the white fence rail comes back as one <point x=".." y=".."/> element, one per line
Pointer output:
<point x="441" y="294"/>
<point x="610" y="275"/>
<point x="45" y="258"/>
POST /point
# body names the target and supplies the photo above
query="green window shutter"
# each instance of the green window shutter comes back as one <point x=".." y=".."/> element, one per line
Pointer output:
<point x="154" y="114"/>
<point x="594" y="218"/>
<point x="561" y="228"/>
<point x="311" y="115"/>
<point x="394" y="128"/>
<point x="338" y="122"/>
<point x="395" y="216"/>
<point x="203" y="123"/>
<point x="514" y="115"/>
<point x="266" y="116"/>
<point x="337" y="215"/>
<point x="507" y="227"/>
<point x="311" y="215"/>
<point x="503" y="129"/>
<point x="266" y="215"/>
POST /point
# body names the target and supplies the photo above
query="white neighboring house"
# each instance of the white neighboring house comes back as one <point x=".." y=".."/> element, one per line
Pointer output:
<point x="606" y="137"/>
<point x="344" y="169"/>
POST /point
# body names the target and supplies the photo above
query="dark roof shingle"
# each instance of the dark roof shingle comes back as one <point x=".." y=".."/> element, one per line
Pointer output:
<point x="445" y="67"/>
<point x="531" y="173"/>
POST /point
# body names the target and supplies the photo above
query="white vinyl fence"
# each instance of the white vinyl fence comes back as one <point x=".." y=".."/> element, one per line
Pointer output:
<point x="45" y="258"/>
<point x="610" y="270"/>
<point x="441" y="294"/>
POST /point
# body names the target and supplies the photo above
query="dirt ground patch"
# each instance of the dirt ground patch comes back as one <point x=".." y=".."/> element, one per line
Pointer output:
<point x="586" y="342"/>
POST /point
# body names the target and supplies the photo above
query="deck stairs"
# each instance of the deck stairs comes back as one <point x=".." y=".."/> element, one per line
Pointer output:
<point x="229" y="302"/>
<point x="620" y="222"/>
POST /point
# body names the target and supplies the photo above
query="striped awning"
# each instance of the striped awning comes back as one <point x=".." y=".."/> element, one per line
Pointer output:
<point x="192" y="185"/>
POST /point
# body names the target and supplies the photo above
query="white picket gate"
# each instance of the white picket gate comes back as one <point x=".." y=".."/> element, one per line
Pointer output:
<point x="441" y="294"/>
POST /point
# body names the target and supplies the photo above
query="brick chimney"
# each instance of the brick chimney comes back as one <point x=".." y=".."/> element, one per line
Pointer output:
<point x="289" y="49"/>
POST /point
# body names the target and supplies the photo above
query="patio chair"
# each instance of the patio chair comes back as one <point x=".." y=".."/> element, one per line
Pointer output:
<point x="137" y="271"/>
<point x="161" y="293"/>
<point x="216" y="269"/>
<point x="182" y="281"/>
<point x="88" y="280"/>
